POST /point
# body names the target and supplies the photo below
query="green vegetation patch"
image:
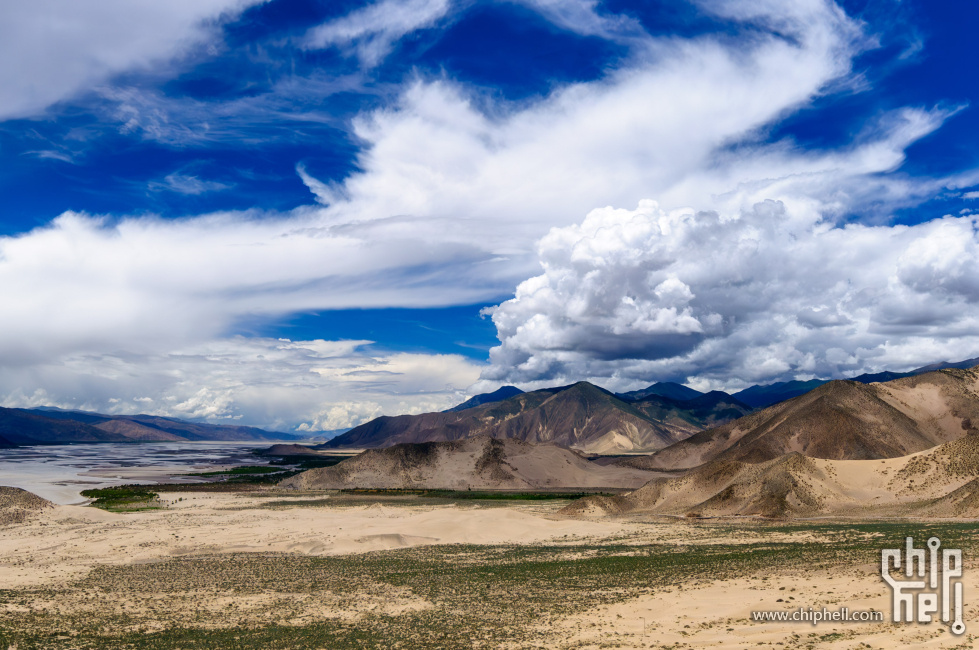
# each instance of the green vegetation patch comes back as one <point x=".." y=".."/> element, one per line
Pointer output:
<point x="304" y="461"/>
<point x="123" y="498"/>
<point x="482" y="495"/>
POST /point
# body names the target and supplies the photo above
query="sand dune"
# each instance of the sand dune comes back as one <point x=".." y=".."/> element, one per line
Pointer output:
<point x="478" y="463"/>
<point x="17" y="505"/>
<point x="939" y="482"/>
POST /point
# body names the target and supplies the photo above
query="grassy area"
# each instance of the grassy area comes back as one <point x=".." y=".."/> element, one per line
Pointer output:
<point x="279" y="469"/>
<point x="303" y="461"/>
<point x="124" y="498"/>
<point x="481" y="495"/>
<point x="472" y="596"/>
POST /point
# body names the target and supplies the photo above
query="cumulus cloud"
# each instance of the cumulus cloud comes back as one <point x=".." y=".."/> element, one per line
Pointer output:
<point x="372" y="31"/>
<point x="284" y="385"/>
<point x="632" y="296"/>
<point x="62" y="47"/>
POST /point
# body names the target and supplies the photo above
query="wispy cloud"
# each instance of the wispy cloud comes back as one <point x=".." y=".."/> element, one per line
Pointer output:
<point x="583" y="17"/>
<point x="51" y="154"/>
<point x="372" y="31"/>
<point x="325" y="193"/>
<point x="291" y="110"/>
<point x="187" y="184"/>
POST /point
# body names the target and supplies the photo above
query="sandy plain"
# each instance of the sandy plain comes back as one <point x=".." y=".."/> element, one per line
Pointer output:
<point x="273" y="569"/>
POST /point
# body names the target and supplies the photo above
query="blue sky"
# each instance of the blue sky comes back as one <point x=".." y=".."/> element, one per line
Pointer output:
<point x="304" y="214"/>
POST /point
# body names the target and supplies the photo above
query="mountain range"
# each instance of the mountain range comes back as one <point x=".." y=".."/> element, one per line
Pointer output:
<point x="905" y="447"/>
<point x="581" y="416"/>
<point x="757" y="396"/>
<point x="841" y="420"/>
<point x="47" y="426"/>
<point x="760" y="396"/>
<point x="591" y="419"/>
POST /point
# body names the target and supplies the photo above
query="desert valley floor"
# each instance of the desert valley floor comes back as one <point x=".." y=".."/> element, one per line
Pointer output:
<point x="267" y="568"/>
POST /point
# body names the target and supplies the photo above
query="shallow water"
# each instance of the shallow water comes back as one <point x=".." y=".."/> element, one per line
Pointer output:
<point x="59" y="472"/>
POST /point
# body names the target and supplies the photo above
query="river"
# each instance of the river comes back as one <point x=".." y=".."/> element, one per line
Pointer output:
<point x="59" y="472"/>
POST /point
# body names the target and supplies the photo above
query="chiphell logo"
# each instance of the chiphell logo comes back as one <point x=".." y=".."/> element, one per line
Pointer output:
<point x="912" y="593"/>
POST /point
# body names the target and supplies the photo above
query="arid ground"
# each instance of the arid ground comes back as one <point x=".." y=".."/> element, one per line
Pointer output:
<point x="272" y="569"/>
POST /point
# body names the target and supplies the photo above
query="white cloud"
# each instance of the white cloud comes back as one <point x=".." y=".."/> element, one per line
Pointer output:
<point x="371" y="31"/>
<point x="51" y="154"/>
<point x="143" y="284"/>
<point x="658" y="125"/>
<point x="290" y="111"/>
<point x="632" y="296"/>
<point x="279" y="384"/>
<point x="583" y="17"/>
<point x="187" y="184"/>
<point x="325" y="193"/>
<point x="971" y="195"/>
<point x="56" y="48"/>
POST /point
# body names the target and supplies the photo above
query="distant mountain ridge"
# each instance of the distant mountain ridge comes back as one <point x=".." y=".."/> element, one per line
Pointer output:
<point x="840" y="420"/>
<point x="753" y="397"/>
<point x="669" y="389"/>
<point x="761" y="396"/>
<point x="51" y="426"/>
<point x="498" y="395"/>
<point x="582" y="416"/>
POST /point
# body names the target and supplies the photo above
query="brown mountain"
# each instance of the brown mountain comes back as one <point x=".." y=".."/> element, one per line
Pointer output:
<point x="481" y="463"/>
<point x="582" y="416"/>
<point x="840" y="420"/>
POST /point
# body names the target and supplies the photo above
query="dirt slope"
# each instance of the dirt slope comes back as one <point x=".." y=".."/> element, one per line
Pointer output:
<point x="478" y="463"/>
<point x="17" y="505"/>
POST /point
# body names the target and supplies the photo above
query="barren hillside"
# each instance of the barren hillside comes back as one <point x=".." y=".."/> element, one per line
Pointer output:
<point x="841" y="420"/>
<point x="479" y="463"/>
<point x="939" y="482"/>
